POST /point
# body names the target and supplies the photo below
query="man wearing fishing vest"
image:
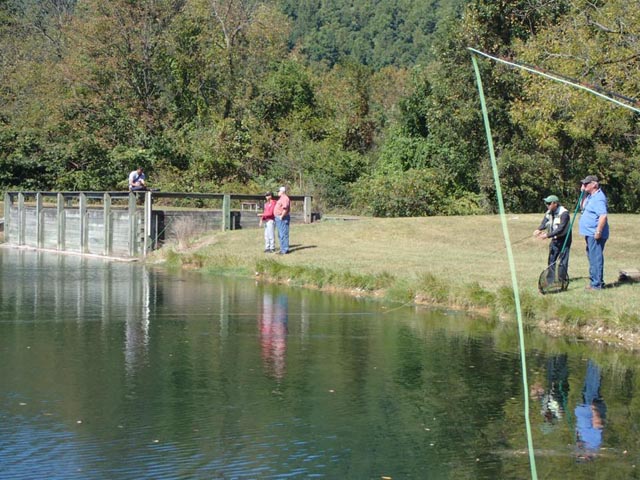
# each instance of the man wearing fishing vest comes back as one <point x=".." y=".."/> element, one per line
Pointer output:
<point x="555" y="226"/>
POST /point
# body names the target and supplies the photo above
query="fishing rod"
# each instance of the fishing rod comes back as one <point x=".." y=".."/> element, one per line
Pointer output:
<point x="496" y="177"/>
<point x="512" y="265"/>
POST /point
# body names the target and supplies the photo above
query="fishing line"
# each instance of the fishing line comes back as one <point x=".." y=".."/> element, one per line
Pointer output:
<point x="478" y="258"/>
<point x="183" y="315"/>
<point x="558" y="78"/>
<point x="515" y="242"/>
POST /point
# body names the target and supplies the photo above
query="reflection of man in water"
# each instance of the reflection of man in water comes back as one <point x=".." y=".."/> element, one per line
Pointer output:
<point x="553" y="398"/>
<point x="273" y="334"/>
<point x="554" y="401"/>
<point x="590" y="414"/>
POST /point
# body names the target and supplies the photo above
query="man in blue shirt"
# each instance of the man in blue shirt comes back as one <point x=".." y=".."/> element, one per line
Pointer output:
<point x="595" y="229"/>
<point x="590" y="414"/>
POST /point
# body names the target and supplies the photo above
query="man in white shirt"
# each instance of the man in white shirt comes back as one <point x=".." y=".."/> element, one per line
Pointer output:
<point x="136" y="180"/>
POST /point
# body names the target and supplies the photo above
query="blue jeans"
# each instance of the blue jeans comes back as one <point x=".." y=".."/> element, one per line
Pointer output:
<point x="283" y="233"/>
<point x="595" y="254"/>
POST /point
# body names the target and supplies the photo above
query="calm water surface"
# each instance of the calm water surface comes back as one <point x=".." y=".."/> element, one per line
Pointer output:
<point x="117" y="371"/>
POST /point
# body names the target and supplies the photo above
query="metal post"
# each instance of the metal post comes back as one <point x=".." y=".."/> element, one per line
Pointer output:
<point x="62" y="224"/>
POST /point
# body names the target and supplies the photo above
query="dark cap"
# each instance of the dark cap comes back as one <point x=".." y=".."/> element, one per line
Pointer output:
<point x="268" y="194"/>
<point x="589" y="179"/>
<point x="552" y="198"/>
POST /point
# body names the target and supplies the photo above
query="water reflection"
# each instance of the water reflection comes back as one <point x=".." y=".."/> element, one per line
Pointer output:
<point x="273" y="326"/>
<point x="590" y="414"/>
<point x="137" y="373"/>
<point x="554" y="395"/>
<point x="137" y="321"/>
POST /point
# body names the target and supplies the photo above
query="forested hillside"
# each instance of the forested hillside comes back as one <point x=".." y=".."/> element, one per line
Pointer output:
<point x="370" y="106"/>
<point x="377" y="33"/>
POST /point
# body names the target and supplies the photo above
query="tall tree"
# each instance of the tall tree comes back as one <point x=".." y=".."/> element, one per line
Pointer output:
<point x="596" y="44"/>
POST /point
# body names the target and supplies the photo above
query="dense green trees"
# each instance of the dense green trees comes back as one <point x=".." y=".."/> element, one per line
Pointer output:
<point x="577" y="132"/>
<point x="373" y="32"/>
<point x="370" y="106"/>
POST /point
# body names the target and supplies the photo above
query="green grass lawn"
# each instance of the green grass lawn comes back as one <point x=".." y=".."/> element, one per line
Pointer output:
<point x="446" y="261"/>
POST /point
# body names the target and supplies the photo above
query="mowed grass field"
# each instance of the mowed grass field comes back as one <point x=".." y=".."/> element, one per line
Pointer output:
<point x="456" y="262"/>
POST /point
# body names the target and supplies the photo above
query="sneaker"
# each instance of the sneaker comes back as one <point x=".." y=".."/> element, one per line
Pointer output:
<point x="272" y="251"/>
<point x="266" y="250"/>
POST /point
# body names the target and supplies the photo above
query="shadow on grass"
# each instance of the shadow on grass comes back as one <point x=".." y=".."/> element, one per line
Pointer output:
<point x="295" y="248"/>
<point x="619" y="283"/>
<point x="623" y="280"/>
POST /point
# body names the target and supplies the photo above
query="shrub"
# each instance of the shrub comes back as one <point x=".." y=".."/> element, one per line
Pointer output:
<point x="414" y="193"/>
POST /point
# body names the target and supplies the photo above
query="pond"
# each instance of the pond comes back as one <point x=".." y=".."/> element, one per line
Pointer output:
<point x="120" y="371"/>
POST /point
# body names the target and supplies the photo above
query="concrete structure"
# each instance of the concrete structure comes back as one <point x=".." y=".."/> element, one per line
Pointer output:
<point x="125" y="224"/>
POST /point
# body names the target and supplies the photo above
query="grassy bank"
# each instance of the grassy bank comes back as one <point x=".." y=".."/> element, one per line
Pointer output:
<point x="456" y="262"/>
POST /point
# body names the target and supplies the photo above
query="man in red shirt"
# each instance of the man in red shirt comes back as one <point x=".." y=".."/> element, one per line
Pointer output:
<point x="281" y="212"/>
<point x="268" y="220"/>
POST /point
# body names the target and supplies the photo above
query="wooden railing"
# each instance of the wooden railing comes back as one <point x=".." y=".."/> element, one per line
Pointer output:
<point x="124" y="230"/>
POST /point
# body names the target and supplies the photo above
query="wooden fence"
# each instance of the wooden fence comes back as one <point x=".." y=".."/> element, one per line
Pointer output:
<point x="127" y="224"/>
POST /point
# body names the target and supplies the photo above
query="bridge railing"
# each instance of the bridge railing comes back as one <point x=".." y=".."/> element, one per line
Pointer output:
<point x="111" y="222"/>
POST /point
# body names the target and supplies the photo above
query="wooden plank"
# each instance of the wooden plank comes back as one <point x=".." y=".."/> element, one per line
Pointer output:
<point x="39" y="222"/>
<point x="61" y="219"/>
<point x="22" y="219"/>
<point x="7" y="217"/>
<point x="226" y="212"/>
<point x="107" y="224"/>
<point x="629" y="275"/>
<point x="133" y="225"/>
<point x="84" y="224"/>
